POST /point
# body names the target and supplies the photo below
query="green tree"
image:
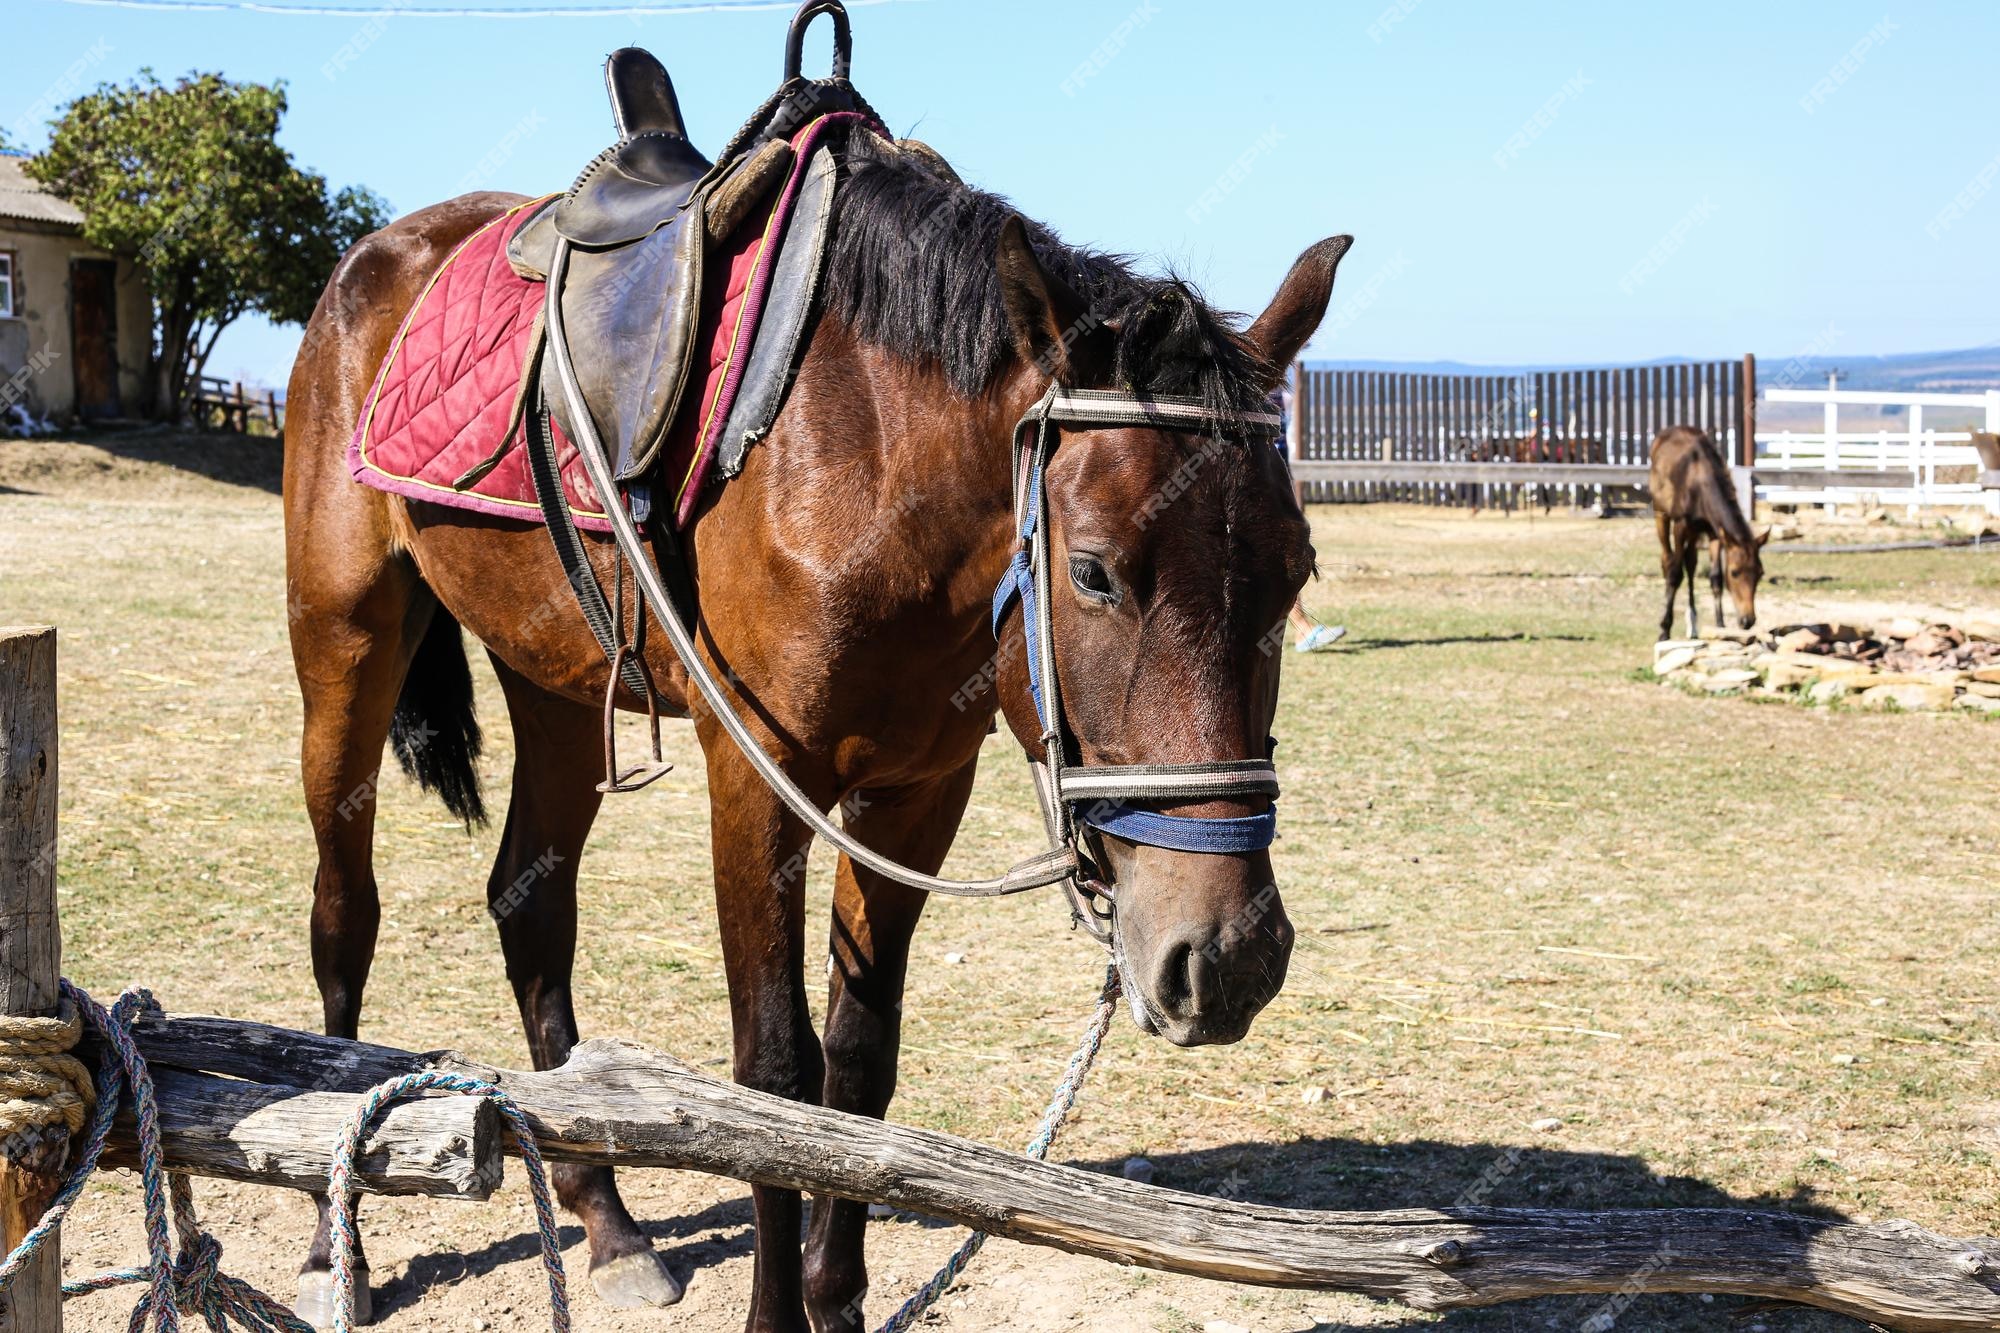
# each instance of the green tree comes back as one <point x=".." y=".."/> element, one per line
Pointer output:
<point x="191" y="182"/>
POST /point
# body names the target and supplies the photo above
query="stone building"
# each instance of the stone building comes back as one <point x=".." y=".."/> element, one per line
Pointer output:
<point x="76" y="324"/>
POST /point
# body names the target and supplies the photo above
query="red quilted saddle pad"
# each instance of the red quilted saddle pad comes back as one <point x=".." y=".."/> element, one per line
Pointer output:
<point x="441" y="401"/>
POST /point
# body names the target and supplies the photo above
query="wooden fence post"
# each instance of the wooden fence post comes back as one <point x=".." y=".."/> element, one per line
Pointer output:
<point x="31" y="1163"/>
<point x="1746" y="439"/>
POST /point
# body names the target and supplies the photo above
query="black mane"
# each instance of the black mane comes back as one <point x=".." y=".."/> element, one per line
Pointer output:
<point x="912" y="270"/>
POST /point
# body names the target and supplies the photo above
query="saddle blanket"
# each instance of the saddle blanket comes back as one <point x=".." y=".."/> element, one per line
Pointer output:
<point x="443" y="399"/>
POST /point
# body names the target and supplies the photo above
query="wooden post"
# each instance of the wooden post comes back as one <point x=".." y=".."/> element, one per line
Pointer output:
<point x="31" y="1163"/>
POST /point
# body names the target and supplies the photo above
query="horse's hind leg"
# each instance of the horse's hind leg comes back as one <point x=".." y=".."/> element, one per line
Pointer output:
<point x="357" y="622"/>
<point x="1690" y="557"/>
<point x="873" y="920"/>
<point x="1715" y="578"/>
<point x="558" y="759"/>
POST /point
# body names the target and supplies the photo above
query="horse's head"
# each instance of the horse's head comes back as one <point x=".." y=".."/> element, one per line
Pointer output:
<point x="1175" y="557"/>
<point x="1742" y="570"/>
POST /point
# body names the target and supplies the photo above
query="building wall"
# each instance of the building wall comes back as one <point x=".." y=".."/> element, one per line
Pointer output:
<point x="38" y="338"/>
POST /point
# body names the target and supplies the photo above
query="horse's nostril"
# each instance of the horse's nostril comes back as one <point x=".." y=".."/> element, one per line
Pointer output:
<point x="1176" y="981"/>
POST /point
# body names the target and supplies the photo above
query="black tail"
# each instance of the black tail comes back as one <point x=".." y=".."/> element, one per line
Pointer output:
<point x="434" y="734"/>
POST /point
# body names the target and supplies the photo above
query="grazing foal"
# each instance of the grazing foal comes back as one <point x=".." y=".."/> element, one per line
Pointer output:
<point x="1694" y="503"/>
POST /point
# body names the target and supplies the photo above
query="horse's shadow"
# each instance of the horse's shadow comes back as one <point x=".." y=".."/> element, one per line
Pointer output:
<point x="682" y="1241"/>
<point x="1364" y="644"/>
<point x="1350" y="1174"/>
<point x="1318" y="1173"/>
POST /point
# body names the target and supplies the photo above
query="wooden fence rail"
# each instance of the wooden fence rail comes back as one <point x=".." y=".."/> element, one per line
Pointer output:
<point x="616" y="1103"/>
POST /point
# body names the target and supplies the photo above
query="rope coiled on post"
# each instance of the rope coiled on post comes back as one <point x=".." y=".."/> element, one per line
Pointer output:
<point x="183" y="1270"/>
<point x="41" y="1083"/>
<point x="1053" y="1119"/>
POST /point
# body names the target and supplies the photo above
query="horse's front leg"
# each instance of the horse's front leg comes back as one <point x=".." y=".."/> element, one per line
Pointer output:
<point x="760" y="888"/>
<point x="1670" y="570"/>
<point x="869" y="950"/>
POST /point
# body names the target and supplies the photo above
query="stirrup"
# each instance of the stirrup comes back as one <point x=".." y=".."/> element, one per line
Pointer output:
<point x="639" y="775"/>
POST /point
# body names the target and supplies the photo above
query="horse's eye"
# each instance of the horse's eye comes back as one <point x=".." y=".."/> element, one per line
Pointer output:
<point x="1092" y="579"/>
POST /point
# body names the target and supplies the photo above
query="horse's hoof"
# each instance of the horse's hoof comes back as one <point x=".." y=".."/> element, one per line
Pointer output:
<point x="315" y="1302"/>
<point x="637" y="1281"/>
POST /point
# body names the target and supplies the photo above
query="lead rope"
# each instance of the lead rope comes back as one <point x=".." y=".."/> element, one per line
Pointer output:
<point x="339" y="1185"/>
<point x="1053" y="1119"/>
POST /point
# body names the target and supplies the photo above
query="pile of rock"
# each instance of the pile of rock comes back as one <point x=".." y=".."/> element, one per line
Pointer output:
<point x="1906" y="664"/>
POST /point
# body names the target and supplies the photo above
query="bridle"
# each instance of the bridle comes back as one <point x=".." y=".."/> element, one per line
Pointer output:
<point x="1079" y="801"/>
<point x="1074" y="801"/>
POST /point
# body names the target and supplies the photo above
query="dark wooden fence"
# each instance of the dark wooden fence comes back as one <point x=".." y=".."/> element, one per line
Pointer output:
<point x="1559" y="417"/>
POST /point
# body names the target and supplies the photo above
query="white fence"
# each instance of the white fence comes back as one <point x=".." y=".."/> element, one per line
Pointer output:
<point x="1917" y="450"/>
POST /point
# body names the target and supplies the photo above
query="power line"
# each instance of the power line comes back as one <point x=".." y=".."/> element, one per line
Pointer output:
<point x="405" y="11"/>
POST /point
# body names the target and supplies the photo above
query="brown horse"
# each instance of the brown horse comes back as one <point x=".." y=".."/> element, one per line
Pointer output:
<point x="866" y="666"/>
<point x="1694" y="504"/>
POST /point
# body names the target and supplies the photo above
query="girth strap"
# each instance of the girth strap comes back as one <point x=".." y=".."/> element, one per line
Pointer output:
<point x="563" y="535"/>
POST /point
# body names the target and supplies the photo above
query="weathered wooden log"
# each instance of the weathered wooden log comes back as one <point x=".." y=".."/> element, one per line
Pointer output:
<point x="622" y="1104"/>
<point x="445" y="1147"/>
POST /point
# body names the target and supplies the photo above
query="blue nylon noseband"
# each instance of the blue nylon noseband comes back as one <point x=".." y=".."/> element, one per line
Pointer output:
<point x="1018" y="583"/>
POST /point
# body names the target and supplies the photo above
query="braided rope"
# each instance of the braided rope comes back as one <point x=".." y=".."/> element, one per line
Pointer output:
<point x="339" y="1185"/>
<point x="183" y="1271"/>
<point x="41" y="1083"/>
<point x="1053" y="1119"/>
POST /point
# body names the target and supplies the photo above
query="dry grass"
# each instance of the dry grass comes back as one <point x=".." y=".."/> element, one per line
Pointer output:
<point x="1740" y="952"/>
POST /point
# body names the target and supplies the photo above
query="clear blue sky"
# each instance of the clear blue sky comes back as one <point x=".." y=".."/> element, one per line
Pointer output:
<point x="1541" y="181"/>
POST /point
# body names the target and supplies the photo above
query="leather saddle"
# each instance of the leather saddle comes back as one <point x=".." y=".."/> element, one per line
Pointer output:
<point x="637" y="221"/>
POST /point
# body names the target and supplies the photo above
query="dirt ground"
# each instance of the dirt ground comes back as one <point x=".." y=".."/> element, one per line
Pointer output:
<point x="1720" y="953"/>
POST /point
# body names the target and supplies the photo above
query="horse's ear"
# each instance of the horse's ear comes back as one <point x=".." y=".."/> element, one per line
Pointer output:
<point x="1052" y="326"/>
<point x="1282" y="331"/>
<point x="1763" y="535"/>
